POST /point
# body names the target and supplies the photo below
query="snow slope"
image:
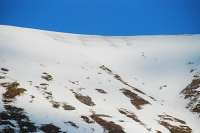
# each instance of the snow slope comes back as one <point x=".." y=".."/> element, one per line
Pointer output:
<point x="94" y="84"/>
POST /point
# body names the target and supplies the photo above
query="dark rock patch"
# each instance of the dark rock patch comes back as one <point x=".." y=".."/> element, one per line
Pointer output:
<point x="72" y="124"/>
<point x="88" y="77"/>
<point x="55" y="104"/>
<point x="7" y="123"/>
<point x="192" y="93"/>
<point x="101" y="91"/>
<point x="30" y="82"/>
<point x="4" y="115"/>
<point x="176" y="129"/>
<point x="74" y="82"/>
<point x="190" y="63"/>
<point x="68" y="107"/>
<point x="32" y="98"/>
<point x="136" y="100"/>
<point x="8" y="130"/>
<point x="131" y="115"/>
<point x="192" y="70"/>
<point x="65" y="106"/>
<point x="50" y="128"/>
<point x="2" y="77"/>
<point x="87" y="119"/>
<point x="16" y="114"/>
<point x="43" y="87"/>
<point x="163" y="86"/>
<point x="12" y="91"/>
<point x="157" y="131"/>
<point x="171" y="118"/>
<point x="45" y="92"/>
<point x="180" y="127"/>
<point x="44" y="84"/>
<point x="4" y="69"/>
<point x="84" y="99"/>
<point x="5" y="84"/>
<point x="110" y="126"/>
<point x="102" y="115"/>
<point x="47" y="76"/>
<point x="103" y="67"/>
<point x="196" y="108"/>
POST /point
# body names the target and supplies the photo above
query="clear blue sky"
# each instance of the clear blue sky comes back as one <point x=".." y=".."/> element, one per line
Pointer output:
<point x="105" y="17"/>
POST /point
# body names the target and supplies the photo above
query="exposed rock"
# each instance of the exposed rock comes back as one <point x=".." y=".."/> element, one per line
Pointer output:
<point x="44" y="84"/>
<point x="87" y="119"/>
<point x="72" y="124"/>
<point x="47" y="76"/>
<point x="50" y="128"/>
<point x="16" y="114"/>
<point x="136" y="100"/>
<point x="4" y="69"/>
<point x="8" y="130"/>
<point x="2" y="77"/>
<point x="74" y="82"/>
<point x="168" y="122"/>
<point x="131" y="115"/>
<point x="110" y="126"/>
<point x="192" y="92"/>
<point x="84" y="99"/>
<point x="12" y="90"/>
<point x="68" y="107"/>
<point x="101" y="91"/>
<point x="55" y="104"/>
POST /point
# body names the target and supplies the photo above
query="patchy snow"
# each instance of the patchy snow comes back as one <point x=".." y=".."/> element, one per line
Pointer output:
<point x="159" y="66"/>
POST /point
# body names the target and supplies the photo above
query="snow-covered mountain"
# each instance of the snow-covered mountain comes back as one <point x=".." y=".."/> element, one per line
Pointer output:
<point x="57" y="82"/>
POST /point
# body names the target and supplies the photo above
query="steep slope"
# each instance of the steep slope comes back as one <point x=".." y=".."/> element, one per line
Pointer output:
<point x="56" y="82"/>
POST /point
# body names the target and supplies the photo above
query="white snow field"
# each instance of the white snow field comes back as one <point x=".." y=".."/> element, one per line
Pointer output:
<point x="58" y="82"/>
